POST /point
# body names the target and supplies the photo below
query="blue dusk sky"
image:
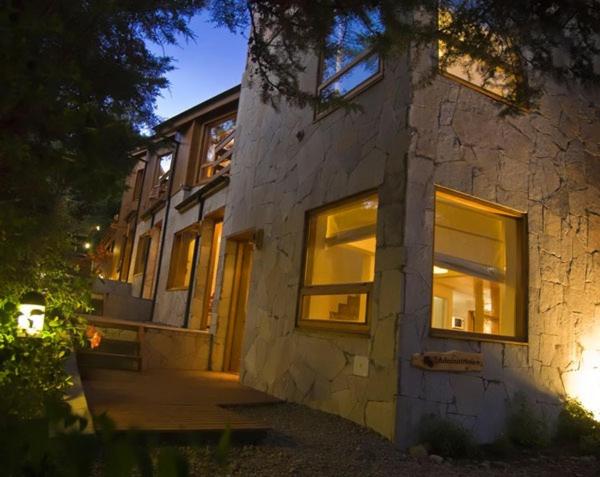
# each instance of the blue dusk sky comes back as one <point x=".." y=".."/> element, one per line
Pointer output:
<point x="205" y="67"/>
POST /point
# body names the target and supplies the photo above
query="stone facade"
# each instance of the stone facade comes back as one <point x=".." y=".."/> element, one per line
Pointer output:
<point x="544" y="163"/>
<point x="285" y="164"/>
<point x="407" y="139"/>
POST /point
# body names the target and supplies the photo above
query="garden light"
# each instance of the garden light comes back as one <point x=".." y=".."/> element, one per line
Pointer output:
<point x="87" y="245"/>
<point x="31" y="313"/>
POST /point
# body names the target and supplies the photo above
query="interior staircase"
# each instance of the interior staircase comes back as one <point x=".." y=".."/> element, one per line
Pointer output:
<point x="119" y="349"/>
<point x="348" y="311"/>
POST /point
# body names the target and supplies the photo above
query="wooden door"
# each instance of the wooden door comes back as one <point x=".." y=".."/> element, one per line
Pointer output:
<point x="237" y="315"/>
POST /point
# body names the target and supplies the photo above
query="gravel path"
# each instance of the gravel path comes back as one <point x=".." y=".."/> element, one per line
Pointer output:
<point x="305" y="442"/>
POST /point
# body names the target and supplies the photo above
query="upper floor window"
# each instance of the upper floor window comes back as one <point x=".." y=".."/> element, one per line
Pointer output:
<point x="479" y="284"/>
<point x="495" y="82"/>
<point x="349" y="64"/>
<point x="339" y="265"/>
<point x="164" y="167"/>
<point x="217" y="148"/>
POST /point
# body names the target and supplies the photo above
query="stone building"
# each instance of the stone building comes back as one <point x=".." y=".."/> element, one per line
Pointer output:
<point x="338" y="254"/>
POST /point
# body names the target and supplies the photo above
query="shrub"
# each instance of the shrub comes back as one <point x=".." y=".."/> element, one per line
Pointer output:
<point x="524" y="428"/>
<point x="577" y="425"/>
<point x="445" y="437"/>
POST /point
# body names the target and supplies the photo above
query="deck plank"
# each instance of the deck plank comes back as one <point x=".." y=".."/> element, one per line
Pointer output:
<point x="172" y="400"/>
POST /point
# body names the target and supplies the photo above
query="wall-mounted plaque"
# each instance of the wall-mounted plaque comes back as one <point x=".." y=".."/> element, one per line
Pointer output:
<point x="453" y="361"/>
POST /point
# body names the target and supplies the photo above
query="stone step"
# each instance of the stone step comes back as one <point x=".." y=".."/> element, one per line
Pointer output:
<point x="121" y="347"/>
<point x="96" y="359"/>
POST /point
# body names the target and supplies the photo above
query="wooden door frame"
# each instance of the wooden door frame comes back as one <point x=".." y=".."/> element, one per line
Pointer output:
<point x="243" y="247"/>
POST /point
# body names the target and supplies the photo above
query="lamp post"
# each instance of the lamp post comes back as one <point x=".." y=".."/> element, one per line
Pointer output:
<point x="31" y="313"/>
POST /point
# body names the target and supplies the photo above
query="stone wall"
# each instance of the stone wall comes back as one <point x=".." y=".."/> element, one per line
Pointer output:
<point x="175" y="349"/>
<point x="545" y="163"/>
<point x="286" y="163"/>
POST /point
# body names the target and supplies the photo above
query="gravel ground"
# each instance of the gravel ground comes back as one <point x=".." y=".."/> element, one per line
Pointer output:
<point x="304" y="442"/>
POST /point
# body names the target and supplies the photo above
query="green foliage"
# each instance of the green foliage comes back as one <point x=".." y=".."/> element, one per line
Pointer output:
<point x="576" y="425"/>
<point x="523" y="427"/>
<point x="56" y="446"/>
<point x="223" y="447"/>
<point x="32" y="368"/>
<point x="79" y="84"/>
<point x="522" y="38"/>
<point x="445" y="437"/>
<point x="500" y="448"/>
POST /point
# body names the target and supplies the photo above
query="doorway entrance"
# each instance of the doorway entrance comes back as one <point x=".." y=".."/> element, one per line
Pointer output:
<point x="237" y="310"/>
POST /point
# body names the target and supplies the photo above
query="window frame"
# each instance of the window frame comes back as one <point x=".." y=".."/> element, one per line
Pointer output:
<point x="466" y="83"/>
<point x="521" y="288"/>
<point x="201" y="155"/>
<point x="174" y="261"/>
<point x="141" y="254"/>
<point x="159" y="178"/>
<point x="358" y="89"/>
<point x="348" y="288"/>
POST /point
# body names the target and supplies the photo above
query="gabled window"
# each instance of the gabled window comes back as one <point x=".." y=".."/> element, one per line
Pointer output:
<point x="479" y="271"/>
<point x="182" y="253"/>
<point x="217" y="148"/>
<point x="349" y="64"/>
<point x="339" y="265"/>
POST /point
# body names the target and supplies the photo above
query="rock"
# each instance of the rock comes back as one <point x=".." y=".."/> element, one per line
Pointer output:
<point x="438" y="459"/>
<point x="417" y="451"/>
<point x="485" y="464"/>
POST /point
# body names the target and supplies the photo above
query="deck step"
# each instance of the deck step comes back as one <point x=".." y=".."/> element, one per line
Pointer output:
<point x="98" y="359"/>
<point x="121" y="347"/>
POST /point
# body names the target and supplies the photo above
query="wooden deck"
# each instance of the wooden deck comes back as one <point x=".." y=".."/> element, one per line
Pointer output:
<point x="172" y="400"/>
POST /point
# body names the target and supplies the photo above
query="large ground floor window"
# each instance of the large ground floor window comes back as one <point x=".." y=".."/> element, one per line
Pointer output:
<point x="479" y="271"/>
<point x="339" y="265"/>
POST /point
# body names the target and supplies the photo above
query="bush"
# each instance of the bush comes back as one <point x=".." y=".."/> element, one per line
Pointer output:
<point x="524" y="428"/>
<point x="445" y="437"/>
<point x="577" y="425"/>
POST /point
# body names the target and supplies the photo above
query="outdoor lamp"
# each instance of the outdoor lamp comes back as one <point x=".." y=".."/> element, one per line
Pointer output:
<point x="31" y="313"/>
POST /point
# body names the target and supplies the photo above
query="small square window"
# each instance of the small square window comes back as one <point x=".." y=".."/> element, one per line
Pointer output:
<point x="479" y="269"/>
<point x="339" y="265"/>
<point x="348" y="62"/>
<point x="182" y="253"/>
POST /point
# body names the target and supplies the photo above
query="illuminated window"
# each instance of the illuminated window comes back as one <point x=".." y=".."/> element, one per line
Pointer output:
<point x="141" y="254"/>
<point x="478" y="273"/>
<point x="164" y="168"/>
<point x="349" y="63"/>
<point x="182" y="254"/>
<point x="217" y="148"/>
<point x="211" y="283"/>
<point x="499" y="84"/>
<point x="339" y="265"/>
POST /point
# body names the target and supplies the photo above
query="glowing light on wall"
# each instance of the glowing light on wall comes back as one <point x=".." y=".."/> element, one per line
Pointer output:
<point x="584" y="383"/>
<point x="31" y="313"/>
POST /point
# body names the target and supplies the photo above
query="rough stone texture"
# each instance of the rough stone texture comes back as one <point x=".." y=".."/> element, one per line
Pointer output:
<point x="177" y="349"/>
<point x="275" y="179"/>
<point x="544" y="163"/>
